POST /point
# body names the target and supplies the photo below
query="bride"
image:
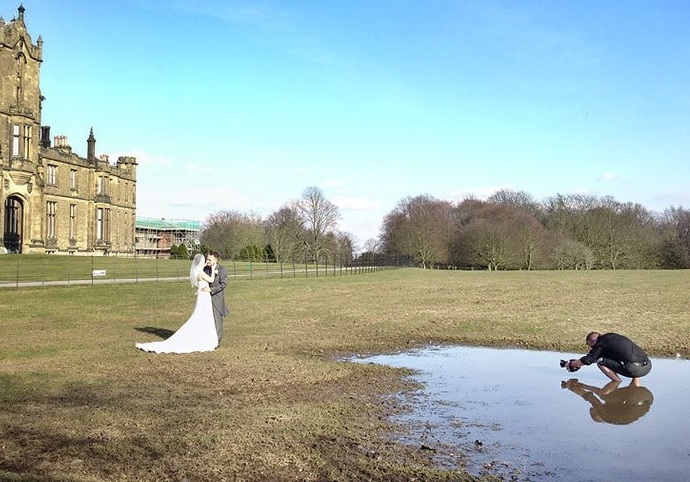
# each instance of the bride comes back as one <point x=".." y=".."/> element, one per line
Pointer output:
<point x="199" y="332"/>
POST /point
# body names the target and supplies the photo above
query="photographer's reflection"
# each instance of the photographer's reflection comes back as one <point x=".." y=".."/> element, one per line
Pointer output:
<point x="611" y="404"/>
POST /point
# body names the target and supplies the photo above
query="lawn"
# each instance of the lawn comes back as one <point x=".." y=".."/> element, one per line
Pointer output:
<point x="276" y="402"/>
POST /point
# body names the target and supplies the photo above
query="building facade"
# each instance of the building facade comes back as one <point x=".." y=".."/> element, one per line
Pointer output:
<point x="52" y="200"/>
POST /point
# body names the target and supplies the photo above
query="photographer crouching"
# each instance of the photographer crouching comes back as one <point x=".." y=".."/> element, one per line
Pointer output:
<point x="615" y="355"/>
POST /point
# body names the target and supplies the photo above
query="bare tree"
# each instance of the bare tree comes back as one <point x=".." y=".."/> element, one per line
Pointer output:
<point x="532" y="241"/>
<point x="284" y="230"/>
<point x="499" y="236"/>
<point x="319" y="217"/>
<point x="490" y="245"/>
<point x="229" y="232"/>
<point x="571" y="254"/>
<point x="676" y="222"/>
<point x="372" y="246"/>
<point x="345" y="246"/>
<point x="518" y="199"/>
<point x="420" y="227"/>
<point x="563" y="213"/>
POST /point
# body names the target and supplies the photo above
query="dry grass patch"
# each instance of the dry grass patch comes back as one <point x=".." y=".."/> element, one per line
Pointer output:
<point x="79" y="403"/>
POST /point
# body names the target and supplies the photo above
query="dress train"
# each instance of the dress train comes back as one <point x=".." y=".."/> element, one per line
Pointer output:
<point x="197" y="334"/>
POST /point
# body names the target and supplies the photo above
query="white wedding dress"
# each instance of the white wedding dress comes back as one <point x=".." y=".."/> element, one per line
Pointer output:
<point x="197" y="334"/>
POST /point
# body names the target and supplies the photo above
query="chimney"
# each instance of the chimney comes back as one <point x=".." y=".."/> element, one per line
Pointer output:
<point x="91" y="147"/>
<point x="45" y="136"/>
<point x="61" y="142"/>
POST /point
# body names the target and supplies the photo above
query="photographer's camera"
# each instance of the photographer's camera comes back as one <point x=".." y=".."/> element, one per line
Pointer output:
<point x="567" y="364"/>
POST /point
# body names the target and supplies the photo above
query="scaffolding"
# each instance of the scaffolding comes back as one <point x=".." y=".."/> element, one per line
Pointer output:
<point x="155" y="237"/>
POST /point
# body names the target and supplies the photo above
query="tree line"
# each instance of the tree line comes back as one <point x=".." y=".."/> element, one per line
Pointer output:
<point x="302" y="230"/>
<point x="510" y="230"/>
<point x="513" y="231"/>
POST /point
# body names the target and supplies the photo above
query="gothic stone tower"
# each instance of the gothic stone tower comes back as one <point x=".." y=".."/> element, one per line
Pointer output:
<point x="52" y="200"/>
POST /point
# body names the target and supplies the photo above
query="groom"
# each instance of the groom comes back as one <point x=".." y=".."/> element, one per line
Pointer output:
<point x="217" y="289"/>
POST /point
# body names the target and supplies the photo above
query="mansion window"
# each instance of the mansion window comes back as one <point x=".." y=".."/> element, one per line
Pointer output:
<point x="51" y="209"/>
<point x="103" y="224"/>
<point x="51" y="175"/>
<point x="72" y="221"/>
<point x="102" y="185"/>
<point x="73" y="179"/>
<point x="26" y="142"/>
<point x="21" y="141"/>
<point x="15" y="140"/>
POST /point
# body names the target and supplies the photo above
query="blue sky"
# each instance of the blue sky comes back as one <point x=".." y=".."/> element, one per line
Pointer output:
<point x="243" y="104"/>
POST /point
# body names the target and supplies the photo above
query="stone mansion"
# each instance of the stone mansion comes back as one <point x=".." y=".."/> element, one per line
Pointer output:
<point x="51" y="199"/>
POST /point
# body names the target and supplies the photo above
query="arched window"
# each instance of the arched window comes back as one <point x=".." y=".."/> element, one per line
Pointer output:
<point x="14" y="213"/>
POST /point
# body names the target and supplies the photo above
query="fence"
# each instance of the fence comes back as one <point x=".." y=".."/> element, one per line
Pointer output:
<point x="46" y="270"/>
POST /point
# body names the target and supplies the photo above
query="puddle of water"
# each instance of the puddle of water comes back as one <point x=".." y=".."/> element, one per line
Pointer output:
<point x="514" y="413"/>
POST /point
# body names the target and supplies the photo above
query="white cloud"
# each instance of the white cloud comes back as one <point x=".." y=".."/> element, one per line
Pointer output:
<point x="607" y="177"/>
<point x="361" y="228"/>
<point x="194" y="167"/>
<point x="482" y="193"/>
<point x="175" y="197"/>
<point x="355" y="203"/>
<point x="145" y="159"/>
<point x="262" y="15"/>
<point x="665" y="200"/>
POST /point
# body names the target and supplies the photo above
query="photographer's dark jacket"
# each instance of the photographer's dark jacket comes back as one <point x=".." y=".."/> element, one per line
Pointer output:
<point x="615" y="347"/>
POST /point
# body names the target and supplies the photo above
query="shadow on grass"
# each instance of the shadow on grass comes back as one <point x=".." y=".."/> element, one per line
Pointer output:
<point x="39" y="446"/>
<point x="159" y="332"/>
<point x="39" y="454"/>
<point x="18" y="477"/>
<point x="41" y="438"/>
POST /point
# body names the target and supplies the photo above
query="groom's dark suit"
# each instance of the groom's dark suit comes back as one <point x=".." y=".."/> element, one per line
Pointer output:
<point x="220" y="309"/>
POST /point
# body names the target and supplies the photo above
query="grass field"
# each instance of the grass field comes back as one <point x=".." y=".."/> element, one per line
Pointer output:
<point x="79" y="403"/>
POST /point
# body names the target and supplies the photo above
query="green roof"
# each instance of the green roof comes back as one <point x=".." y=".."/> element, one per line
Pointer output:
<point x="168" y="224"/>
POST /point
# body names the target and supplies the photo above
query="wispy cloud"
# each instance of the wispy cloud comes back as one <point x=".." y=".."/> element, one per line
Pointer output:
<point x="665" y="200"/>
<point x="258" y="13"/>
<point x="527" y="36"/>
<point x="482" y="193"/>
<point x="145" y="159"/>
<point x="195" y="167"/>
<point x="607" y="177"/>
<point x="191" y="201"/>
<point x="355" y="203"/>
<point x="362" y="228"/>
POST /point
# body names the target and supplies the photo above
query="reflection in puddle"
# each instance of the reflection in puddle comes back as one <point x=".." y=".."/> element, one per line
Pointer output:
<point x="611" y="403"/>
<point x="516" y="413"/>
